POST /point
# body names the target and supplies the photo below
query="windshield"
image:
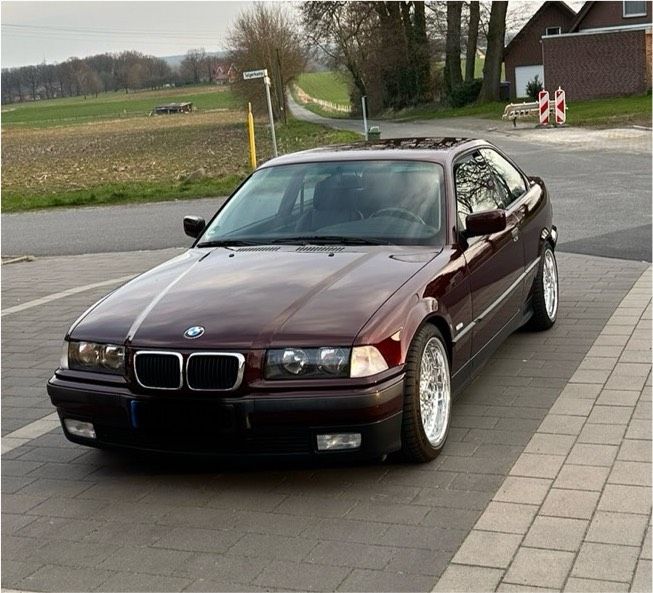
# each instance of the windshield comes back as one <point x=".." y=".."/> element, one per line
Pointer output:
<point x="389" y="202"/>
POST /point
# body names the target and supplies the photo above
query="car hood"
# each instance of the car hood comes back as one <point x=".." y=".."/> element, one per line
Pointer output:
<point x="253" y="297"/>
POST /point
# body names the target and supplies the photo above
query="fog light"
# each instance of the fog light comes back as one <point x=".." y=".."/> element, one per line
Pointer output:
<point x="335" y="442"/>
<point x="79" y="428"/>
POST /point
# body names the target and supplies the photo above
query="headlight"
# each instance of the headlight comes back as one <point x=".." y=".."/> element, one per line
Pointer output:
<point x="88" y="356"/>
<point x="321" y="363"/>
<point x="307" y="363"/>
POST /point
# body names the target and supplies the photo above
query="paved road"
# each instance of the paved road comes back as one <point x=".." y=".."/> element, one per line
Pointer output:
<point x="600" y="182"/>
<point x="75" y="519"/>
<point x="102" y="229"/>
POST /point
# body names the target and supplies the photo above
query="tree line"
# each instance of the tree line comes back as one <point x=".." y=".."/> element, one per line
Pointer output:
<point x="390" y="52"/>
<point x="125" y="71"/>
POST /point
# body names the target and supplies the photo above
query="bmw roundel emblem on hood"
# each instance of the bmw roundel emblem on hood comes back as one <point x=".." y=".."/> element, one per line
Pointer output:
<point x="194" y="332"/>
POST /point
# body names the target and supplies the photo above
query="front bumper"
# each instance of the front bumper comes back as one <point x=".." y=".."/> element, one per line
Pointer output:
<point x="253" y="424"/>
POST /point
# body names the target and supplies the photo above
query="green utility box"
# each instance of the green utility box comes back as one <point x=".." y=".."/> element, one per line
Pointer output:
<point x="374" y="133"/>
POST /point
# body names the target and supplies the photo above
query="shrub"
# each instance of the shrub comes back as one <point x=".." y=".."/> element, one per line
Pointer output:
<point x="533" y="87"/>
<point x="466" y="93"/>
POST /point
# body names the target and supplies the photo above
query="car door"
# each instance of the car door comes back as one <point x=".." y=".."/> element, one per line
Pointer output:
<point x="495" y="262"/>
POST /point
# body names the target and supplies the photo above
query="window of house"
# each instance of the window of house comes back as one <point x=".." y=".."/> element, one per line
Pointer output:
<point x="553" y="31"/>
<point x="633" y="8"/>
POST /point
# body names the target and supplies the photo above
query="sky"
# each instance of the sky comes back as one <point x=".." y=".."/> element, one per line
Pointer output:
<point x="33" y="32"/>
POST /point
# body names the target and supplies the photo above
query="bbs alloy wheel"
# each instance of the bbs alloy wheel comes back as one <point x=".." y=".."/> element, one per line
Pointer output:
<point x="427" y="396"/>
<point x="545" y="292"/>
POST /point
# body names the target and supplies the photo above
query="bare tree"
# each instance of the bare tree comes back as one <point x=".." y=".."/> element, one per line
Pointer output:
<point x="31" y="75"/>
<point x="192" y="66"/>
<point x="342" y="30"/>
<point x="472" y="39"/>
<point x="494" y="54"/>
<point x="452" y="69"/>
<point x="384" y="47"/>
<point x="265" y="36"/>
<point x="209" y="64"/>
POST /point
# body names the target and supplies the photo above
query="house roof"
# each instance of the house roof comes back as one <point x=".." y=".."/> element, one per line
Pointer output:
<point x="582" y="13"/>
<point x="545" y="6"/>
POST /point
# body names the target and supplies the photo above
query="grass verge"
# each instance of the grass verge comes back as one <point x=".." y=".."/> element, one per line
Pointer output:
<point x="610" y="112"/>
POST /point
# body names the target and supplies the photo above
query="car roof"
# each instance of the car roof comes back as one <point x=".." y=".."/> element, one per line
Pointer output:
<point x="438" y="150"/>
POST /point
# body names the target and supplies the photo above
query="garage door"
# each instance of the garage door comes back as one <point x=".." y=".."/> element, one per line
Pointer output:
<point x="524" y="74"/>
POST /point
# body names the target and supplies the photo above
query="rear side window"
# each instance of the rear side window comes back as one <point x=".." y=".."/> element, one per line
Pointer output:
<point x="475" y="187"/>
<point x="510" y="183"/>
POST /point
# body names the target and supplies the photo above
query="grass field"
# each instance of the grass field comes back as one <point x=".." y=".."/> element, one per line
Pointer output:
<point x="328" y="86"/>
<point x="72" y="110"/>
<point x="58" y="156"/>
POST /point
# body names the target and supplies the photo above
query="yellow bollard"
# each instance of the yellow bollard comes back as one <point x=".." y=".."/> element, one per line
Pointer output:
<point x="252" y="141"/>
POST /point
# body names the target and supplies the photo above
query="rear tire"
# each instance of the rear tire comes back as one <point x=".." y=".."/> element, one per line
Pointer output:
<point x="545" y="292"/>
<point x="427" y="397"/>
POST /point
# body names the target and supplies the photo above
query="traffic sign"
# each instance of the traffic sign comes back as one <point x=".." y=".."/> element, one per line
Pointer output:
<point x="254" y="74"/>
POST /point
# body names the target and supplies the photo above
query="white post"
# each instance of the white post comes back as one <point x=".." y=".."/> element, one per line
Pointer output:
<point x="266" y="81"/>
<point x="364" y="104"/>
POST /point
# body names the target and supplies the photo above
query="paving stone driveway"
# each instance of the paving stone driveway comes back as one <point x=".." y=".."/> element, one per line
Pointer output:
<point x="77" y="519"/>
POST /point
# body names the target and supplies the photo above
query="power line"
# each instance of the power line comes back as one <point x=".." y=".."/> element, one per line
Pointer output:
<point x="120" y="32"/>
<point x="125" y="40"/>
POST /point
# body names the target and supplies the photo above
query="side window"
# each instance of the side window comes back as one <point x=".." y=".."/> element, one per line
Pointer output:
<point x="510" y="183"/>
<point x="475" y="187"/>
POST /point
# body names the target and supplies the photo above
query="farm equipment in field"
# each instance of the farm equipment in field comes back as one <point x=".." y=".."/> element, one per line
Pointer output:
<point x="186" y="107"/>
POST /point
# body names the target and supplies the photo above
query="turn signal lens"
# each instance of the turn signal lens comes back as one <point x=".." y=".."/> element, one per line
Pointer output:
<point x="63" y="361"/>
<point x="366" y="361"/>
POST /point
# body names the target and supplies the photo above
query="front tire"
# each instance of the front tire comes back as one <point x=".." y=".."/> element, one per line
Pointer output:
<point x="545" y="292"/>
<point x="427" y="397"/>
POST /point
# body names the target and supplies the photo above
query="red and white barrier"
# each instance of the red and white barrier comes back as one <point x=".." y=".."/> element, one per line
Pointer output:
<point x="543" y="101"/>
<point x="560" y="107"/>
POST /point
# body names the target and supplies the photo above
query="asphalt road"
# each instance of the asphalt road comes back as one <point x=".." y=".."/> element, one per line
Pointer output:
<point x="600" y="182"/>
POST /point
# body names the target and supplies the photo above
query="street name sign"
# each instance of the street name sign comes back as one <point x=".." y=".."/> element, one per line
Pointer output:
<point x="255" y="74"/>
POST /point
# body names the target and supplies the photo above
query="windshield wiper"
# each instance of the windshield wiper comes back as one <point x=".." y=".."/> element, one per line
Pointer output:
<point x="328" y="240"/>
<point x="227" y="243"/>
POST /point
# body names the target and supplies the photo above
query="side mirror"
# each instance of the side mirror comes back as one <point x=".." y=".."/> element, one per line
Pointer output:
<point x="485" y="223"/>
<point x="193" y="226"/>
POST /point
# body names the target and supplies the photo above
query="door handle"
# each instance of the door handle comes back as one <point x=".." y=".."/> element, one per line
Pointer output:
<point x="515" y="234"/>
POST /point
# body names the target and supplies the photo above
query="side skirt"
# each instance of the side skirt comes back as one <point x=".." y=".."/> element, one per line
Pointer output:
<point x="465" y="374"/>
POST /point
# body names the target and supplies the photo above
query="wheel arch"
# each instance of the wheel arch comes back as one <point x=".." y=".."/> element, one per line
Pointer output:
<point x="441" y="324"/>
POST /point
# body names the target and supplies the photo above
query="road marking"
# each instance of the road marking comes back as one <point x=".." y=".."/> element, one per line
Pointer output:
<point x="27" y="433"/>
<point x="61" y="295"/>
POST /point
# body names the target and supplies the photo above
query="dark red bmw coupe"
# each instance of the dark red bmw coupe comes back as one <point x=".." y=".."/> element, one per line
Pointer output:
<point x="334" y="304"/>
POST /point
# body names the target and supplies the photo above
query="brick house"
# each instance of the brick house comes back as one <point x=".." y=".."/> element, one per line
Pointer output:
<point x="523" y="55"/>
<point x="605" y="51"/>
